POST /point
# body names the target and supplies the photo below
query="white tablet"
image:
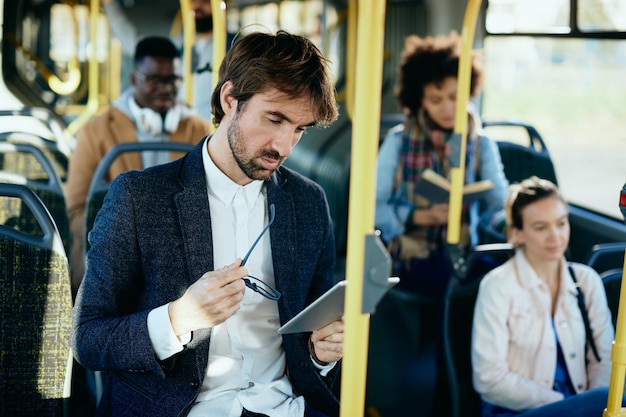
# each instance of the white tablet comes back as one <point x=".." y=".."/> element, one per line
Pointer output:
<point x="328" y="308"/>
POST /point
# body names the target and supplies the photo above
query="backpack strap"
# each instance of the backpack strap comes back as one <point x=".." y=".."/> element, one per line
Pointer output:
<point x="583" y="311"/>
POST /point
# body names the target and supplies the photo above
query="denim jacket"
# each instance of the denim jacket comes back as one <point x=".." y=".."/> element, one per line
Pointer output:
<point x="513" y="345"/>
<point x="393" y="208"/>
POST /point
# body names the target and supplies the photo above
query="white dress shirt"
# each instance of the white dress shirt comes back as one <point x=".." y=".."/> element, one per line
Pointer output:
<point x="246" y="360"/>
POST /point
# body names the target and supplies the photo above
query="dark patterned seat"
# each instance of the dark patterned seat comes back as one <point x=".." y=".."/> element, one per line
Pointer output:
<point x="28" y="165"/>
<point x="35" y="310"/>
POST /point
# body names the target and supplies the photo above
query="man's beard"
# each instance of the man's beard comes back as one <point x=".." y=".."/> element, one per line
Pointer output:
<point x="249" y="167"/>
<point x="204" y="24"/>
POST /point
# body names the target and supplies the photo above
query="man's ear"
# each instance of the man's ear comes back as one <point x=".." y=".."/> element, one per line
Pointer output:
<point x="229" y="103"/>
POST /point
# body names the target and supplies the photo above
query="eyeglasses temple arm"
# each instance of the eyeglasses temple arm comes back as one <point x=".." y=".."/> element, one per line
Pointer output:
<point x="265" y="229"/>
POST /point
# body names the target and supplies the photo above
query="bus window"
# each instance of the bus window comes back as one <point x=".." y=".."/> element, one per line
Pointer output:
<point x="599" y="15"/>
<point x="568" y="87"/>
<point x="306" y="18"/>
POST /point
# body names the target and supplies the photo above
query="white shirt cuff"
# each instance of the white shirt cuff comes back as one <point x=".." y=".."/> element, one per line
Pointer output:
<point x="164" y="341"/>
<point x="324" y="369"/>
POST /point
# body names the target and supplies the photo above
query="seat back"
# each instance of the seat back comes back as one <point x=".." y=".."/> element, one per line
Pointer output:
<point x="27" y="164"/>
<point x="612" y="281"/>
<point x="57" y="155"/>
<point x="606" y="256"/>
<point x="99" y="186"/>
<point x="608" y="260"/>
<point x="458" y="316"/>
<point x="51" y="197"/>
<point x="28" y="160"/>
<point x="35" y="311"/>
<point x="522" y="161"/>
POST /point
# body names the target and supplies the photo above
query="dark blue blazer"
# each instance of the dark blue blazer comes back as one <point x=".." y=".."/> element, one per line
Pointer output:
<point x="150" y="241"/>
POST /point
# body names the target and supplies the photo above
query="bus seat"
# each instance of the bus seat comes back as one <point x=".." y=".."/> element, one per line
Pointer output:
<point x="400" y="357"/>
<point x="58" y="157"/>
<point x="27" y="160"/>
<point x="612" y="281"/>
<point x="53" y="199"/>
<point x="608" y="260"/>
<point x="26" y="164"/>
<point x="99" y="185"/>
<point x="35" y="312"/>
<point x="41" y="122"/>
<point x="458" y="315"/>
<point x="606" y="256"/>
<point x="523" y="161"/>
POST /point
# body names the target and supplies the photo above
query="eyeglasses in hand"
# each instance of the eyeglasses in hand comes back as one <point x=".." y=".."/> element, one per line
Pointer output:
<point x="259" y="286"/>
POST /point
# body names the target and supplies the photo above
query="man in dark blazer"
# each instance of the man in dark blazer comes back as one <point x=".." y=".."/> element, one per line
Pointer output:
<point x="163" y="308"/>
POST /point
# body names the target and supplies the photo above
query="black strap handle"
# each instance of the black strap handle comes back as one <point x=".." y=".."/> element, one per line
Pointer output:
<point x="583" y="310"/>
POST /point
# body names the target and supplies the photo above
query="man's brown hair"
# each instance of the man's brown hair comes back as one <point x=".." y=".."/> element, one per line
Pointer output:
<point x="289" y="63"/>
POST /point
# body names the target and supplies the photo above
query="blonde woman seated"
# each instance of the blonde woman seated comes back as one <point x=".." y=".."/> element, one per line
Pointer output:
<point x="532" y="354"/>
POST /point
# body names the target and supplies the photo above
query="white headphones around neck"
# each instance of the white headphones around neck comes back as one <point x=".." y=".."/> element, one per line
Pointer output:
<point x="151" y="122"/>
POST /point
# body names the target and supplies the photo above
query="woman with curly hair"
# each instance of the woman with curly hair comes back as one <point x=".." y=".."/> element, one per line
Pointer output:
<point x="413" y="226"/>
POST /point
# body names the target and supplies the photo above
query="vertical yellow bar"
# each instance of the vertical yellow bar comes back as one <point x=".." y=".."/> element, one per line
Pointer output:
<point x="618" y="357"/>
<point x="351" y="44"/>
<point x="457" y="174"/>
<point x="365" y="127"/>
<point x="189" y="36"/>
<point x="93" y="95"/>
<point x="218" y="9"/>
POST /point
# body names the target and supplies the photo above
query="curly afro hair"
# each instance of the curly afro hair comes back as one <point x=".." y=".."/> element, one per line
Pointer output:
<point x="430" y="60"/>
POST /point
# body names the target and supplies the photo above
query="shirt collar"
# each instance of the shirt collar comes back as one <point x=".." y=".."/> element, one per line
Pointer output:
<point x="529" y="278"/>
<point x="222" y="187"/>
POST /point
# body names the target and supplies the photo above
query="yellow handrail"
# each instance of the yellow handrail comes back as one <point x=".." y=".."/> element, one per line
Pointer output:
<point x="618" y="357"/>
<point x="457" y="174"/>
<point x="93" y="101"/>
<point x="57" y="85"/>
<point x="371" y="21"/>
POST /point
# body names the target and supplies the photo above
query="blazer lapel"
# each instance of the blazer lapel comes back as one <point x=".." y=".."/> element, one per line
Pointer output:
<point x="283" y="238"/>
<point x="194" y="215"/>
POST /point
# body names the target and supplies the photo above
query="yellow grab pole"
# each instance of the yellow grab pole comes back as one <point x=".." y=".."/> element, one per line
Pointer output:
<point x="618" y="357"/>
<point x="93" y="100"/>
<point x="351" y="46"/>
<point x="189" y="36"/>
<point x="365" y="129"/>
<point x="457" y="174"/>
<point x="218" y="8"/>
<point x="219" y="38"/>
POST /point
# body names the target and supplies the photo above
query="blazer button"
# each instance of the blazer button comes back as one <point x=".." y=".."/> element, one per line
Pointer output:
<point x="195" y="384"/>
<point x="572" y="355"/>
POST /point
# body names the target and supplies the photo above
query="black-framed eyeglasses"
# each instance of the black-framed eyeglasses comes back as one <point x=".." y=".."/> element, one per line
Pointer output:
<point x="156" y="80"/>
<point x="259" y="286"/>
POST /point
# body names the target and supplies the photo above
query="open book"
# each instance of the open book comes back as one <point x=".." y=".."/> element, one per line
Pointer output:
<point x="436" y="188"/>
